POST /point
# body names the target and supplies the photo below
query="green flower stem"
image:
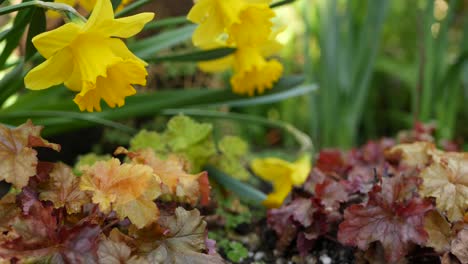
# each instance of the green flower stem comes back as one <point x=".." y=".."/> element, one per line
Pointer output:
<point x="303" y="139"/>
<point x="65" y="9"/>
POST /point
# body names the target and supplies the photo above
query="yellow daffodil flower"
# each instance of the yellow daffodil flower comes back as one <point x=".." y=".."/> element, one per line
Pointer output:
<point x="91" y="58"/>
<point x="213" y="17"/>
<point x="254" y="39"/>
<point x="283" y="175"/>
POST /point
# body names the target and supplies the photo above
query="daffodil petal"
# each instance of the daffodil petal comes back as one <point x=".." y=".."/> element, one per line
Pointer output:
<point x="207" y="33"/>
<point x="281" y="190"/>
<point x="217" y="65"/>
<point x="50" y="42"/>
<point x="74" y="81"/>
<point x="199" y="11"/>
<point x="93" y="56"/>
<point x="119" y="48"/>
<point x="271" y="169"/>
<point x="302" y="171"/>
<point x="53" y="71"/>
<point x="127" y="26"/>
<point x="102" y="14"/>
<point x="254" y="27"/>
<point x="88" y="4"/>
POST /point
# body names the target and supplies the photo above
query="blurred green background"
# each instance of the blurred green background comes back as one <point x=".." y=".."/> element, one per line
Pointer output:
<point x="381" y="66"/>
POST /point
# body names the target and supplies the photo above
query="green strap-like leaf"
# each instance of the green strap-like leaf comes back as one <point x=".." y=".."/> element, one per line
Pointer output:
<point x="131" y="7"/>
<point x="11" y="82"/>
<point x="148" y="47"/>
<point x="115" y="3"/>
<point x="199" y="55"/>
<point x="14" y="35"/>
<point x="166" y="22"/>
<point x="281" y="3"/>
<point x="245" y="192"/>
<point x="36" y="26"/>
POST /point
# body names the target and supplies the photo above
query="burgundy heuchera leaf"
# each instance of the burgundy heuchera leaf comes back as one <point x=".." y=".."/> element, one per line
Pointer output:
<point x="389" y="217"/>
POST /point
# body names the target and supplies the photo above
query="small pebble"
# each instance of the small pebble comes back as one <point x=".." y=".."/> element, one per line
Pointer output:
<point x="259" y="255"/>
<point x="325" y="259"/>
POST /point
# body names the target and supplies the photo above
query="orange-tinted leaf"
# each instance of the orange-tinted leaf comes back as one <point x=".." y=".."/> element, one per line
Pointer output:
<point x="439" y="230"/>
<point x="17" y="158"/>
<point x="205" y="189"/>
<point x="129" y="189"/>
<point x="447" y="180"/>
<point x="173" y="174"/>
<point x="8" y="211"/>
<point x="411" y="155"/>
<point x="63" y="189"/>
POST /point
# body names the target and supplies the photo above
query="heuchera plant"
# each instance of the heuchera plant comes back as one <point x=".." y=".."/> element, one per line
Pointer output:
<point x="386" y="195"/>
<point x="115" y="212"/>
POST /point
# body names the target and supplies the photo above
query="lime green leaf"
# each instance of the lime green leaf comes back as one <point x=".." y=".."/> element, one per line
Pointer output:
<point x="148" y="139"/>
<point x="233" y="146"/>
<point x="88" y="160"/>
<point x="231" y="160"/>
<point x="199" y="154"/>
<point x="183" y="132"/>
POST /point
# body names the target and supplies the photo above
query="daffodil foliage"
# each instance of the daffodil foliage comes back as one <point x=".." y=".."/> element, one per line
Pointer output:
<point x="115" y="212"/>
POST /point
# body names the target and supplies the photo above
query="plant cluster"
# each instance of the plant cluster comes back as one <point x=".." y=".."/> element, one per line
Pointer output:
<point x="138" y="211"/>
<point x="384" y="199"/>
